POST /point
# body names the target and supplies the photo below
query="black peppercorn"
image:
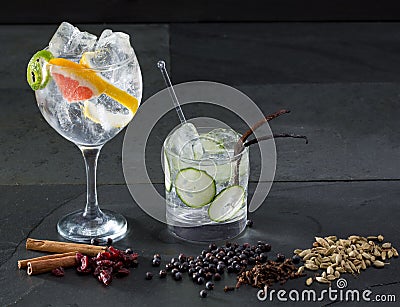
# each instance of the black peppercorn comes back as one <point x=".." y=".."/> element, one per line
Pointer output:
<point x="156" y="262"/>
<point x="209" y="285"/>
<point x="178" y="276"/>
<point x="280" y="257"/>
<point x="217" y="276"/>
<point x="162" y="273"/>
<point x="296" y="259"/>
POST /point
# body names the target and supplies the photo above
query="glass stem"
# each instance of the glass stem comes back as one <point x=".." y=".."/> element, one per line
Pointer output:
<point x="90" y="155"/>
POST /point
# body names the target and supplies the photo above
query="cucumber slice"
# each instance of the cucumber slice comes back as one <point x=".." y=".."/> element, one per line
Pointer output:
<point x="167" y="174"/>
<point x="221" y="173"/>
<point x="211" y="146"/>
<point x="226" y="204"/>
<point x="195" y="187"/>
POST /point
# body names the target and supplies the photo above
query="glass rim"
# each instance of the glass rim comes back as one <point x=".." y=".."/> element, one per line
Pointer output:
<point x="188" y="160"/>
<point x="76" y="57"/>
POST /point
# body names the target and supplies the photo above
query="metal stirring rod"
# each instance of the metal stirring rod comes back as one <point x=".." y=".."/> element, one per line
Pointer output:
<point x="161" y="66"/>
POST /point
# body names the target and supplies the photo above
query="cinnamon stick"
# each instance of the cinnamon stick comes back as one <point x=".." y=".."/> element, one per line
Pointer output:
<point x="63" y="247"/>
<point x="47" y="265"/>
<point x="22" y="264"/>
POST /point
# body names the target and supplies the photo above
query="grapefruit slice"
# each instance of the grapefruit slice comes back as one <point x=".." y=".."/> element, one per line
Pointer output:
<point x="78" y="82"/>
<point x="71" y="89"/>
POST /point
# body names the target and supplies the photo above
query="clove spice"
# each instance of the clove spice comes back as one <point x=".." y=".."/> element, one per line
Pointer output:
<point x="269" y="273"/>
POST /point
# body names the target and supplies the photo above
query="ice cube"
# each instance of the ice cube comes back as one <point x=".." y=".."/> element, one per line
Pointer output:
<point x="68" y="40"/>
<point x="63" y="116"/>
<point x="185" y="142"/>
<point x="111" y="48"/>
<point x="227" y="137"/>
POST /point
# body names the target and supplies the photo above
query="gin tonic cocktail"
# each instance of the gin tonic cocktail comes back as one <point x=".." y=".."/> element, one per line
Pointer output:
<point x="88" y="90"/>
<point x="205" y="183"/>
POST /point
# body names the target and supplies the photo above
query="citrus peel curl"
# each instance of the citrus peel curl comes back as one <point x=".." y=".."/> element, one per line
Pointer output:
<point x="89" y="80"/>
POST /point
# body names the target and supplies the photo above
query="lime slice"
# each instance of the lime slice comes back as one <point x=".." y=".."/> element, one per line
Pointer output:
<point x="36" y="70"/>
<point x="226" y="204"/>
<point x="195" y="187"/>
<point x="100" y="115"/>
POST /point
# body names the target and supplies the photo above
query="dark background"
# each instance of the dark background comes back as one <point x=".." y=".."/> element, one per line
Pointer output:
<point x="158" y="11"/>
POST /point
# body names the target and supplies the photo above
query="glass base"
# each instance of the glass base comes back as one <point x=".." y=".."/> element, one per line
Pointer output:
<point x="209" y="233"/>
<point x="75" y="227"/>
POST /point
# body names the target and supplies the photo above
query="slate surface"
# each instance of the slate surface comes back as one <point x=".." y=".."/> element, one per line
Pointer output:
<point x="292" y="215"/>
<point x="339" y="80"/>
<point x="259" y="53"/>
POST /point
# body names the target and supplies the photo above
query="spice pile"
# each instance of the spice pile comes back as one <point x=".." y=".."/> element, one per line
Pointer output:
<point x="269" y="273"/>
<point x="338" y="256"/>
<point x="328" y="258"/>
<point x="103" y="262"/>
<point x="105" y="265"/>
<point x="211" y="263"/>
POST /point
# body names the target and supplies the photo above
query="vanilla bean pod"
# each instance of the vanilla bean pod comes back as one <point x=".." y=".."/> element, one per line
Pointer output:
<point x="264" y="138"/>
<point x="239" y="145"/>
<point x="269" y="137"/>
<point x="245" y="136"/>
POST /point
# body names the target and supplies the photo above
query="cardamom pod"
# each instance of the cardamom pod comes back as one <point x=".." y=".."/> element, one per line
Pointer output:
<point x="338" y="259"/>
<point x="366" y="255"/>
<point x="383" y="255"/>
<point x="363" y="265"/>
<point x="322" y="242"/>
<point x="330" y="251"/>
<point x="378" y="264"/>
<point x="297" y="251"/>
<point x="330" y="277"/>
<point x="322" y="280"/>
<point x="324" y="265"/>
<point x="311" y="267"/>
<point x="304" y="252"/>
